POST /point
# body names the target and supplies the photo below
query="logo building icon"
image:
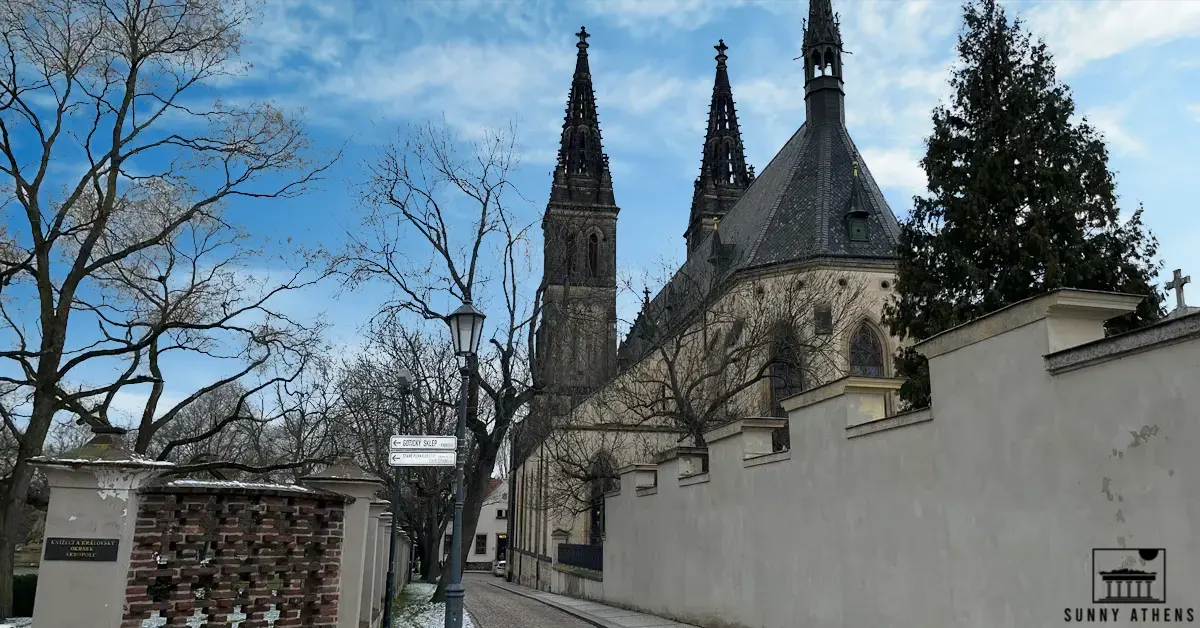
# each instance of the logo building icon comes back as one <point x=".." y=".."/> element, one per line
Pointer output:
<point x="1129" y="576"/>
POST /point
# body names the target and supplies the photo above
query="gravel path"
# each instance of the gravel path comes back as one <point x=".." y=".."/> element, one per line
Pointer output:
<point x="492" y="607"/>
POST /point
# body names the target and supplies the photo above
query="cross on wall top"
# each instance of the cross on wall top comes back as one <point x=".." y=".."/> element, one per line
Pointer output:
<point x="1177" y="284"/>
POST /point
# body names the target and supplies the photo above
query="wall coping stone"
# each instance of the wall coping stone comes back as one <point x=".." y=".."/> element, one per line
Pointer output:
<point x="838" y="387"/>
<point x="761" y="459"/>
<point x="1160" y="334"/>
<point x="630" y="468"/>
<point x="190" y="487"/>
<point x="588" y="574"/>
<point x="1093" y="305"/>
<point x="698" y="478"/>
<point x="679" y="452"/>
<point x="912" y="417"/>
<point x="737" y="426"/>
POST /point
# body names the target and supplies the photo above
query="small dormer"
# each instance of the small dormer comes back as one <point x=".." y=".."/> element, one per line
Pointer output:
<point x="857" y="217"/>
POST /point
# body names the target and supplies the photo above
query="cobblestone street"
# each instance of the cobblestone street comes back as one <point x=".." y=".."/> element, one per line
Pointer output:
<point x="492" y="607"/>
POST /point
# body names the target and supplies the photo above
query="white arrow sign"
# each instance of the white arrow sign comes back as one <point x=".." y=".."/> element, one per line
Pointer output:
<point x="421" y="459"/>
<point x="440" y="443"/>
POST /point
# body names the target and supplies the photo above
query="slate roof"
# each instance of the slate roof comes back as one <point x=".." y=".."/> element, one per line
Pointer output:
<point x="794" y="211"/>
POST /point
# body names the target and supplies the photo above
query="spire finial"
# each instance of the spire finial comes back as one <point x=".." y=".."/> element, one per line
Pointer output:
<point x="583" y="37"/>
<point x="855" y="168"/>
<point x="721" y="48"/>
<point x="646" y="295"/>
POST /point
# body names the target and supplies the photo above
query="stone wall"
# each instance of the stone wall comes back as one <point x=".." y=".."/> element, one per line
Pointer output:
<point x="1045" y="441"/>
<point x="232" y="554"/>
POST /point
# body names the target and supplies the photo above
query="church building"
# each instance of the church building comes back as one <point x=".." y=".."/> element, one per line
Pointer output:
<point x="813" y="212"/>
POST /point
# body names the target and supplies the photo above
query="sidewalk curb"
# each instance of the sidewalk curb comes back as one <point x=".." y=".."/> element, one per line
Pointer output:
<point x="595" y="621"/>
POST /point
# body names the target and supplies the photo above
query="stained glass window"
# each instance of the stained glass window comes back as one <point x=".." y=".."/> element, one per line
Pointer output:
<point x="866" y="353"/>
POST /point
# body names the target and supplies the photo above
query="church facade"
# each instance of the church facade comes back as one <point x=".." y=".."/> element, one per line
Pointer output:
<point x="786" y="275"/>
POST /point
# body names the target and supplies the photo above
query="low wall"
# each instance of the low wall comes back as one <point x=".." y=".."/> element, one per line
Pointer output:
<point x="983" y="512"/>
<point x="530" y="569"/>
<point x="231" y="554"/>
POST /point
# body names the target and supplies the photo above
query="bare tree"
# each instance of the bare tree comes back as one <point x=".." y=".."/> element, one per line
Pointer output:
<point x="378" y="406"/>
<point x="98" y="124"/>
<point x="699" y="359"/>
<point x="439" y="230"/>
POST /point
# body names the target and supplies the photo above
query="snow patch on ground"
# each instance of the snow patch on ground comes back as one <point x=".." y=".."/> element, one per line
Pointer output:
<point x="413" y="609"/>
<point x="17" y="622"/>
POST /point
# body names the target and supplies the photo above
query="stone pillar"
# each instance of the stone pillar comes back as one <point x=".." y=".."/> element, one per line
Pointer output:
<point x="347" y="478"/>
<point x="383" y="539"/>
<point x="403" y="560"/>
<point x="557" y="537"/>
<point x="88" y="539"/>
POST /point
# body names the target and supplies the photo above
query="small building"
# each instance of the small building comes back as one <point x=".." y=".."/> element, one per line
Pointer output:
<point x="490" y="541"/>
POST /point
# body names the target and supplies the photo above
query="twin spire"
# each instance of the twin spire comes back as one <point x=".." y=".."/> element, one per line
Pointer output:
<point x="582" y="174"/>
<point x="723" y="172"/>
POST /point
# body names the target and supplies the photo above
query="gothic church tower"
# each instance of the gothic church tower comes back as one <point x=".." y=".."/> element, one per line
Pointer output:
<point x="577" y="339"/>
<point x="723" y="172"/>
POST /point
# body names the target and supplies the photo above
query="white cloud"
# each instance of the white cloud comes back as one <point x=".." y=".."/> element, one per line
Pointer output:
<point x="896" y="168"/>
<point x="1110" y="122"/>
<point x="648" y="16"/>
<point x="1079" y="33"/>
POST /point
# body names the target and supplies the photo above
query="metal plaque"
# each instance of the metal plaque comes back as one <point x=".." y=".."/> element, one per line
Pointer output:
<point x="421" y="459"/>
<point x="424" y="443"/>
<point x="91" y="550"/>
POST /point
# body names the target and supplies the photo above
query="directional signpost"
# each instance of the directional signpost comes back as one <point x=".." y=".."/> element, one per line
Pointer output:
<point x="422" y="451"/>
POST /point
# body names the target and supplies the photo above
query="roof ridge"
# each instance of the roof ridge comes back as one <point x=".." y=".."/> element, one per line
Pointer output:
<point x="778" y="200"/>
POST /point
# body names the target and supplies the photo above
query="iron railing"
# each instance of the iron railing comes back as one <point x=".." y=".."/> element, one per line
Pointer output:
<point x="584" y="556"/>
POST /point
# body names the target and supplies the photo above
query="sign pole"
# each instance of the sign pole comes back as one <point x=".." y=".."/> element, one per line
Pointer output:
<point x="390" y="591"/>
<point x="455" y="592"/>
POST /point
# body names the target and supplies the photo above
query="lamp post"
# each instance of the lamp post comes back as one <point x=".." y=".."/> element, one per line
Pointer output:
<point x="406" y="381"/>
<point x="466" y="328"/>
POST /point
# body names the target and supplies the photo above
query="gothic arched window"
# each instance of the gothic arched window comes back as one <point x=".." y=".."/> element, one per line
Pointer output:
<point x="570" y="254"/>
<point x="787" y="365"/>
<point x="866" y="353"/>
<point x="604" y="479"/>
<point x="594" y="255"/>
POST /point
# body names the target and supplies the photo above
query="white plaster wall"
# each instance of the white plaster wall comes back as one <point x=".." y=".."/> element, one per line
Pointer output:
<point x="984" y="517"/>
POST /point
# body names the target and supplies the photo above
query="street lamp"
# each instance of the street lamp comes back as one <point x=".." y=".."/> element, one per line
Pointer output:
<point x="405" y="381"/>
<point x="466" y="328"/>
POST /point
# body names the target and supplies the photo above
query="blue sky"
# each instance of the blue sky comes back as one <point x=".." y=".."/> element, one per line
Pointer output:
<point x="359" y="70"/>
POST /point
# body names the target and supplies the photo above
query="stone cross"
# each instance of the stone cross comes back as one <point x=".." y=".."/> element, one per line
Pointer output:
<point x="583" y="36"/>
<point x="1177" y="285"/>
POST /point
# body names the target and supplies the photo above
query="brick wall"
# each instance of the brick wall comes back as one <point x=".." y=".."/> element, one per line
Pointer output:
<point x="258" y="556"/>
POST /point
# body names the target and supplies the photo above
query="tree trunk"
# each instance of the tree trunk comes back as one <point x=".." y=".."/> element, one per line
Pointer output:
<point x="475" y="487"/>
<point x="16" y="492"/>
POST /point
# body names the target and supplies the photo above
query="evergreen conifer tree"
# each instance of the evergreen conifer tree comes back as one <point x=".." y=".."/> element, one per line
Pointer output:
<point x="1020" y="199"/>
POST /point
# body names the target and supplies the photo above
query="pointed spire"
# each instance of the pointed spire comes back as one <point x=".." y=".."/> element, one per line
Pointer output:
<point x="582" y="174"/>
<point x="723" y="172"/>
<point x="823" y="64"/>
<point x="822" y="27"/>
